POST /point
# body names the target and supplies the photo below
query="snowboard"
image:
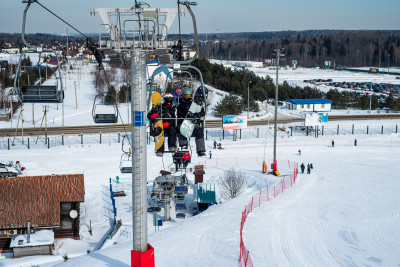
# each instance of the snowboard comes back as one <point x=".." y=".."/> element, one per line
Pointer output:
<point x="188" y="124"/>
<point x="157" y="104"/>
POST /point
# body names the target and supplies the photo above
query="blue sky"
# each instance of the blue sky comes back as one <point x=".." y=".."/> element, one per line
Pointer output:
<point x="215" y="16"/>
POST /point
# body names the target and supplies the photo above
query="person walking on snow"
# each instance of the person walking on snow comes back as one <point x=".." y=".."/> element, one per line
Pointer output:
<point x="355" y="142"/>
<point x="308" y="169"/>
<point x="333" y="143"/>
<point x="215" y="144"/>
<point x="302" y="167"/>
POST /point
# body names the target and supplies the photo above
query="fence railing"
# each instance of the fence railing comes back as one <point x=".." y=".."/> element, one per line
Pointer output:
<point x="256" y="201"/>
<point x="209" y="134"/>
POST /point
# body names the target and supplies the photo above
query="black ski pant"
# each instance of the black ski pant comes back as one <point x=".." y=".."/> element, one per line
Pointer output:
<point x="198" y="132"/>
<point x="171" y="132"/>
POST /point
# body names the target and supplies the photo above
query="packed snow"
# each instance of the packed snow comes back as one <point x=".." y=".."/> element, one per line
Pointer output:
<point x="345" y="213"/>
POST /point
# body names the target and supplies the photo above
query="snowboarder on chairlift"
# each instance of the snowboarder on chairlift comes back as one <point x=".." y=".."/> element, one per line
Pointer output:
<point x="168" y="116"/>
<point x="198" y="131"/>
<point x="302" y="167"/>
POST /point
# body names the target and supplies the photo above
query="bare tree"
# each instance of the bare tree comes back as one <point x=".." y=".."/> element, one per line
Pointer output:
<point x="232" y="183"/>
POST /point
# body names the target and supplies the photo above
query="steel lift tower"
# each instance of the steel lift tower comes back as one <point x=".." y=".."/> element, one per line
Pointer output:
<point x="142" y="253"/>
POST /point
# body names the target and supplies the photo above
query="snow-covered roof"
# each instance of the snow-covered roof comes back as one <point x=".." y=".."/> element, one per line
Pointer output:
<point x="308" y="101"/>
<point x="40" y="238"/>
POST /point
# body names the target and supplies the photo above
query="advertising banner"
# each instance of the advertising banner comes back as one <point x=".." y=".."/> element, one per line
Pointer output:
<point x="314" y="119"/>
<point x="234" y="122"/>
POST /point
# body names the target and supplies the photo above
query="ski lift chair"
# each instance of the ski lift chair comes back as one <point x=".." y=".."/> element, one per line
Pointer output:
<point x="102" y="113"/>
<point x="39" y="93"/>
<point x="125" y="164"/>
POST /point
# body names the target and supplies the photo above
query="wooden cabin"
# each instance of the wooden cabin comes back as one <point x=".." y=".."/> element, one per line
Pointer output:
<point x="50" y="202"/>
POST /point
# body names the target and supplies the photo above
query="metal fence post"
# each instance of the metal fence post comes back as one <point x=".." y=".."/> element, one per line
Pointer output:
<point x="306" y="130"/>
<point x="258" y="132"/>
<point x="28" y="144"/>
<point x="206" y="134"/>
<point x="100" y="137"/>
<point x="62" y="139"/>
<point x="223" y="134"/>
<point x="48" y="142"/>
<point x="119" y="138"/>
<point x="338" y="129"/>
<point x="240" y="131"/>
<point x="9" y="143"/>
<point x="382" y="130"/>
<point x="291" y="130"/>
<point x="322" y="130"/>
<point x="81" y="138"/>
<point x="352" y="130"/>
<point x="367" y="129"/>
<point x="396" y="128"/>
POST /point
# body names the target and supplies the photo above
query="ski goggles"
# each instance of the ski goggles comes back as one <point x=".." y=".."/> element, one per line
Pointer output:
<point x="188" y="96"/>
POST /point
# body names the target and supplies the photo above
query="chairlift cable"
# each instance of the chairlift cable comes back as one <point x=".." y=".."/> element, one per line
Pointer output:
<point x="51" y="12"/>
<point x="116" y="106"/>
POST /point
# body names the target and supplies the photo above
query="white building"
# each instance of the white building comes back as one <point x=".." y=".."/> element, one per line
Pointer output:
<point x="309" y="105"/>
<point x="11" y="50"/>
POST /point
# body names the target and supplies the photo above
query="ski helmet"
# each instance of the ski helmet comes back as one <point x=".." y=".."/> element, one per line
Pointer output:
<point x="199" y="91"/>
<point x="187" y="92"/>
<point x="179" y="92"/>
<point x="168" y="98"/>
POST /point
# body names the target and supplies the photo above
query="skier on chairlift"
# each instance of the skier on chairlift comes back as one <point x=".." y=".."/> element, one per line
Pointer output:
<point x="198" y="131"/>
<point x="168" y="116"/>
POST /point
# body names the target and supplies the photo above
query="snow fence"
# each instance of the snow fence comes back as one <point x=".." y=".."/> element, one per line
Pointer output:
<point x="263" y="196"/>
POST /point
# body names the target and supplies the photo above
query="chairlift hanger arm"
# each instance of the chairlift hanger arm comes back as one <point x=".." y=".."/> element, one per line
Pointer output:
<point x="97" y="53"/>
<point x="196" y="38"/>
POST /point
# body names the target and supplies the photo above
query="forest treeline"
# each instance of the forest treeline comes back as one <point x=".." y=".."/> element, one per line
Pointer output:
<point x="309" y="48"/>
<point x="343" y="48"/>
<point x="239" y="82"/>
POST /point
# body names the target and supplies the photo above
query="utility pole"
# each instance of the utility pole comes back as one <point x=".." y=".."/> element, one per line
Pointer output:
<point x="33" y="114"/>
<point x="11" y="105"/>
<point x="63" y="113"/>
<point x="67" y="44"/>
<point x="45" y="123"/>
<point x="278" y="56"/>
<point x="370" y="96"/>
<point x="248" y="99"/>
<point x="22" y="125"/>
<point x="76" y="97"/>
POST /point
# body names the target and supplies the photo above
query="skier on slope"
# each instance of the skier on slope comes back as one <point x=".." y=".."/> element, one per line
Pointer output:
<point x="198" y="131"/>
<point x="168" y="115"/>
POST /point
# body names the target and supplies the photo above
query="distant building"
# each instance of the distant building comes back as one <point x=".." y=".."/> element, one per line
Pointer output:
<point x="13" y="50"/>
<point x="309" y="105"/>
<point x="51" y="202"/>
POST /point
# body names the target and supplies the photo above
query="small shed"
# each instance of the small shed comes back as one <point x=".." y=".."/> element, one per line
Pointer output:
<point x="39" y="243"/>
<point x="50" y="202"/>
<point x="205" y="196"/>
<point x="309" y="105"/>
<point x="198" y="174"/>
